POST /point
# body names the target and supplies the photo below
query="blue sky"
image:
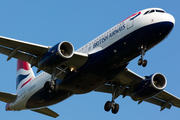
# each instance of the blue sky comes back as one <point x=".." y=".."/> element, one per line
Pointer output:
<point x="49" y="22"/>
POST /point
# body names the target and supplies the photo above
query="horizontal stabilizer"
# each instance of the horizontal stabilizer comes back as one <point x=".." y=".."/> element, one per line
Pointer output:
<point x="7" y="97"/>
<point x="46" y="111"/>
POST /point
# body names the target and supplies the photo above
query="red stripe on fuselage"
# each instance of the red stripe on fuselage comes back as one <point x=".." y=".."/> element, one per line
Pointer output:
<point x="131" y="16"/>
<point x="26" y="82"/>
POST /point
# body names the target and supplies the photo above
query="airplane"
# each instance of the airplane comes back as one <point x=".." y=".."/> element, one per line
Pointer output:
<point x="100" y="65"/>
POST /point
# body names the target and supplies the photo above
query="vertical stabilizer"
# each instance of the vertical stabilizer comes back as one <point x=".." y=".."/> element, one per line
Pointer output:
<point x="24" y="74"/>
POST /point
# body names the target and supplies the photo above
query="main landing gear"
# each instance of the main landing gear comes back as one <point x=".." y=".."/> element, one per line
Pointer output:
<point x="111" y="105"/>
<point x="114" y="107"/>
<point x="141" y="61"/>
<point x="51" y="87"/>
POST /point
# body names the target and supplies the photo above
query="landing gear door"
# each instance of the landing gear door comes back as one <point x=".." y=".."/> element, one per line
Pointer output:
<point x="130" y="23"/>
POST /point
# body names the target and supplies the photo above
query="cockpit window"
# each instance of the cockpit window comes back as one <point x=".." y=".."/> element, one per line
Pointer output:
<point x="146" y="12"/>
<point x="162" y="11"/>
<point x="152" y="11"/>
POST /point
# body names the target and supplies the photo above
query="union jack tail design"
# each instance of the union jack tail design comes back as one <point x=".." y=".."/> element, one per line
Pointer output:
<point x="24" y="74"/>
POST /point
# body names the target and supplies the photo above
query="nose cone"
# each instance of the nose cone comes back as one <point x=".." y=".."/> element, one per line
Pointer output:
<point x="168" y="22"/>
<point x="171" y="19"/>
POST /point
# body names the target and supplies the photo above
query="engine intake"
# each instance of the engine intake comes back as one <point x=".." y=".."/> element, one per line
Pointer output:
<point x="56" y="55"/>
<point x="149" y="87"/>
<point x="65" y="50"/>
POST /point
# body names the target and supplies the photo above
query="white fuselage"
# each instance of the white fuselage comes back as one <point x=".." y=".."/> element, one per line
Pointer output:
<point x="132" y="23"/>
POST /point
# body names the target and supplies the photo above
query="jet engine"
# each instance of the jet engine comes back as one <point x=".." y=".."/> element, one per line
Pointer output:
<point x="149" y="87"/>
<point x="57" y="55"/>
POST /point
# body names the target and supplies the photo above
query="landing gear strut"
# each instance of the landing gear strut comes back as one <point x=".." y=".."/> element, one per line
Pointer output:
<point x="141" y="61"/>
<point x="51" y="86"/>
<point x="114" y="107"/>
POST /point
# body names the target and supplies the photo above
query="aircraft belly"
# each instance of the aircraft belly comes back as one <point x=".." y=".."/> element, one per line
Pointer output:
<point x="43" y="98"/>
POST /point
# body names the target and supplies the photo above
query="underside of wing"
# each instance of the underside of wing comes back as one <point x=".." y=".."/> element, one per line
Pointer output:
<point x="31" y="48"/>
<point x="33" y="54"/>
<point x="126" y="81"/>
<point x="125" y="84"/>
<point x="7" y="97"/>
<point x="46" y="111"/>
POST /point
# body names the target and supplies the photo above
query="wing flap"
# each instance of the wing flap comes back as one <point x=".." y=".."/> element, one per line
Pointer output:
<point x="46" y="111"/>
<point x="18" y="55"/>
<point x="158" y="102"/>
<point x="7" y="97"/>
<point x="168" y="97"/>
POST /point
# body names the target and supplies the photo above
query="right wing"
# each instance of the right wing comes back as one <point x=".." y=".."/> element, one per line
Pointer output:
<point x="46" y="111"/>
<point x="127" y="80"/>
<point x="32" y="53"/>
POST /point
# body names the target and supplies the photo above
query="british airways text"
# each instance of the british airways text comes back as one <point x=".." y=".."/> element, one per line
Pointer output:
<point x="110" y="35"/>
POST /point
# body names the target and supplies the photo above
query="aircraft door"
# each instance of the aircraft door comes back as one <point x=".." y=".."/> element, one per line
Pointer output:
<point x="130" y="23"/>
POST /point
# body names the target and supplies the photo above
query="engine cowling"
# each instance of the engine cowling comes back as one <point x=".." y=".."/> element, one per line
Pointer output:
<point x="56" y="55"/>
<point x="149" y="87"/>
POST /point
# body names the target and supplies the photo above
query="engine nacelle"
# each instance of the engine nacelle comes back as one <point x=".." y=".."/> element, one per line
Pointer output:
<point x="149" y="87"/>
<point x="56" y="55"/>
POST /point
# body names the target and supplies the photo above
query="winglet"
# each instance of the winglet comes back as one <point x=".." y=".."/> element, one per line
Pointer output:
<point x="46" y="111"/>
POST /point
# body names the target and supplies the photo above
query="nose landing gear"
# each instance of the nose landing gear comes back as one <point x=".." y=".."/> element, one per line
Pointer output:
<point x="141" y="61"/>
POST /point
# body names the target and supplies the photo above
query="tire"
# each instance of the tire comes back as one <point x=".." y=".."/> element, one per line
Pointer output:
<point x="47" y="86"/>
<point x="115" y="109"/>
<point x="56" y="88"/>
<point x="140" y="62"/>
<point x="144" y="63"/>
<point x="107" y="106"/>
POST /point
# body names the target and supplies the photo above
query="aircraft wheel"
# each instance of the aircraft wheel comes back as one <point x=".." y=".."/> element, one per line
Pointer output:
<point x="140" y="62"/>
<point x="115" y="108"/>
<point x="107" y="106"/>
<point x="47" y="86"/>
<point x="56" y="88"/>
<point x="144" y="63"/>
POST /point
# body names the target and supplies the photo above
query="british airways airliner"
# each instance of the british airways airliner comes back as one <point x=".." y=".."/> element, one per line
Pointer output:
<point x="100" y="65"/>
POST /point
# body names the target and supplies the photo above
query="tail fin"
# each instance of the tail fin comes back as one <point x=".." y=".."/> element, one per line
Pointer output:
<point x="24" y="74"/>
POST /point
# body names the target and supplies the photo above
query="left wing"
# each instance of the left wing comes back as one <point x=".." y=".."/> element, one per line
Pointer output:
<point x="32" y="53"/>
<point x="127" y="80"/>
